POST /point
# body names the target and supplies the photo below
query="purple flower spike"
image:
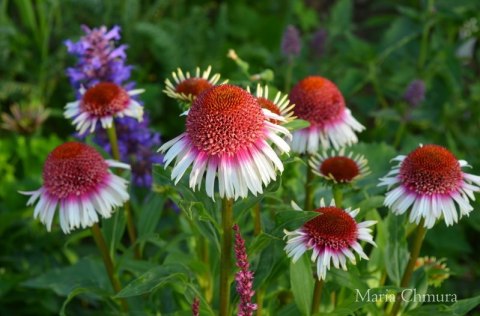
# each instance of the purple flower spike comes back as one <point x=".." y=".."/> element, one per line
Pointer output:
<point x="99" y="60"/>
<point x="291" y="44"/>
<point x="415" y="93"/>
<point x="317" y="44"/>
<point x="244" y="277"/>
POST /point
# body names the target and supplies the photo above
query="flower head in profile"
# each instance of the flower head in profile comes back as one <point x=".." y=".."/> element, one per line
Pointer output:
<point x="77" y="180"/>
<point x="430" y="181"/>
<point x="227" y="138"/>
<point x="24" y="120"/>
<point x="98" y="58"/>
<point x="333" y="236"/>
<point x="186" y="87"/>
<point x="319" y="101"/>
<point x="339" y="167"/>
<point x="436" y="269"/>
<point x="103" y="102"/>
<point x="280" y="105"/>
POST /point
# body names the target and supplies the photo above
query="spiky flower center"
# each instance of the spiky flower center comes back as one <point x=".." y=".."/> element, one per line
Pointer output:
<point x="105" y="99"/>
<point x="334" y="228"/>
<point x="73" y="169"/>
<point x="431" y="169"/>
<point x="193" y="86"/>
<point x="317" y="100"/>
<point x="341" y="169"/>
<point x="224" y="120"/>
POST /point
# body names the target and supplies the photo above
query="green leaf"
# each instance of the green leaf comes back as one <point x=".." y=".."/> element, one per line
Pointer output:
<point x="154" y="279"/>
<point x="86" y="273"/>
<point x="459" y="308"/>
<point x="301" y="279"/>
<point x="150" y="215"/>
<point x="396" y="250"/>
<point x="293" y="219"/>
<point x="341" y="17"/>
<point x="73" y="294"/>
<point x="296" y="125"/>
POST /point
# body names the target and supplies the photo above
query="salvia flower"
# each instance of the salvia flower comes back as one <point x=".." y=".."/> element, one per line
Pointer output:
<point x="135" y="143"/>
<point x="280" y="105"/>
<point x="186" y="87"/>
<point x="339" y="167"/>
<point x="291" y="43"/>
<point x="333" y="236"/>
<point x="415" y="93"/>
<point x="98" y="58"/>
<point x="317" y="43"/>
<point x="244" y="277"/>
<point x="101" y="103"/>
<point x="77" y="180"/>
<point x="319" y="101"/>
<point x="430" y="180"/>
<point x="226" y="138"/>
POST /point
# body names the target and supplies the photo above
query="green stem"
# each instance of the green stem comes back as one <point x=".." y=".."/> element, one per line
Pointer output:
<point x="308" y="206"/>
<point x="288" y="75"/>
<point x="260" y="294"/>
<point x="425" y="34"/>
<point x="112" y="137"/>
<point x="107" y="260"/>
<point x="225" y="260"/>
<point x="337" y="195"/>
<point x="399" y="134"/>
<point x="257" y="228"/>
<point x="407" y="275"/>
<point x="317" y="296"/>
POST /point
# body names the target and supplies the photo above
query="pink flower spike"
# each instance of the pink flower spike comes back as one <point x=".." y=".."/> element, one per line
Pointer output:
<point x="244" y="277"/>
<point x="196" y="307"/>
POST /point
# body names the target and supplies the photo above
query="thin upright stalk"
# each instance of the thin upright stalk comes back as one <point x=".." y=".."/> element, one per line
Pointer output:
<point x="337" y="195"/>
<point x="257" y="220"/>
<point x="225" y="259"/>
<point x="308" y="206"/>
<point x="317" y="295"/>
<point x="108" y="262"/>
<point x="132" y="234"/>
<point x="260" y="294"/>
<point x="288" y="75"/>
<point x="414" y="252"/>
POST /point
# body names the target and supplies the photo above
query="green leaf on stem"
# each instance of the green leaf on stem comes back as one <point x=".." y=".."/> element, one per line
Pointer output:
<point x="155" y="278"/>
<point x="396" y="249"/>
<point x="301" y="279"/>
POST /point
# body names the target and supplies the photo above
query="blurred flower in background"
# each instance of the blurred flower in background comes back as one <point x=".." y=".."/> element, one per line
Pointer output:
<point x="415" y="93"/>
<point x="436" y="269"/>
<point x="24" y="120"/>
<point x="317" y="43"/>
<point x="291" y="44"/>
<point x="99" y="60"/>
